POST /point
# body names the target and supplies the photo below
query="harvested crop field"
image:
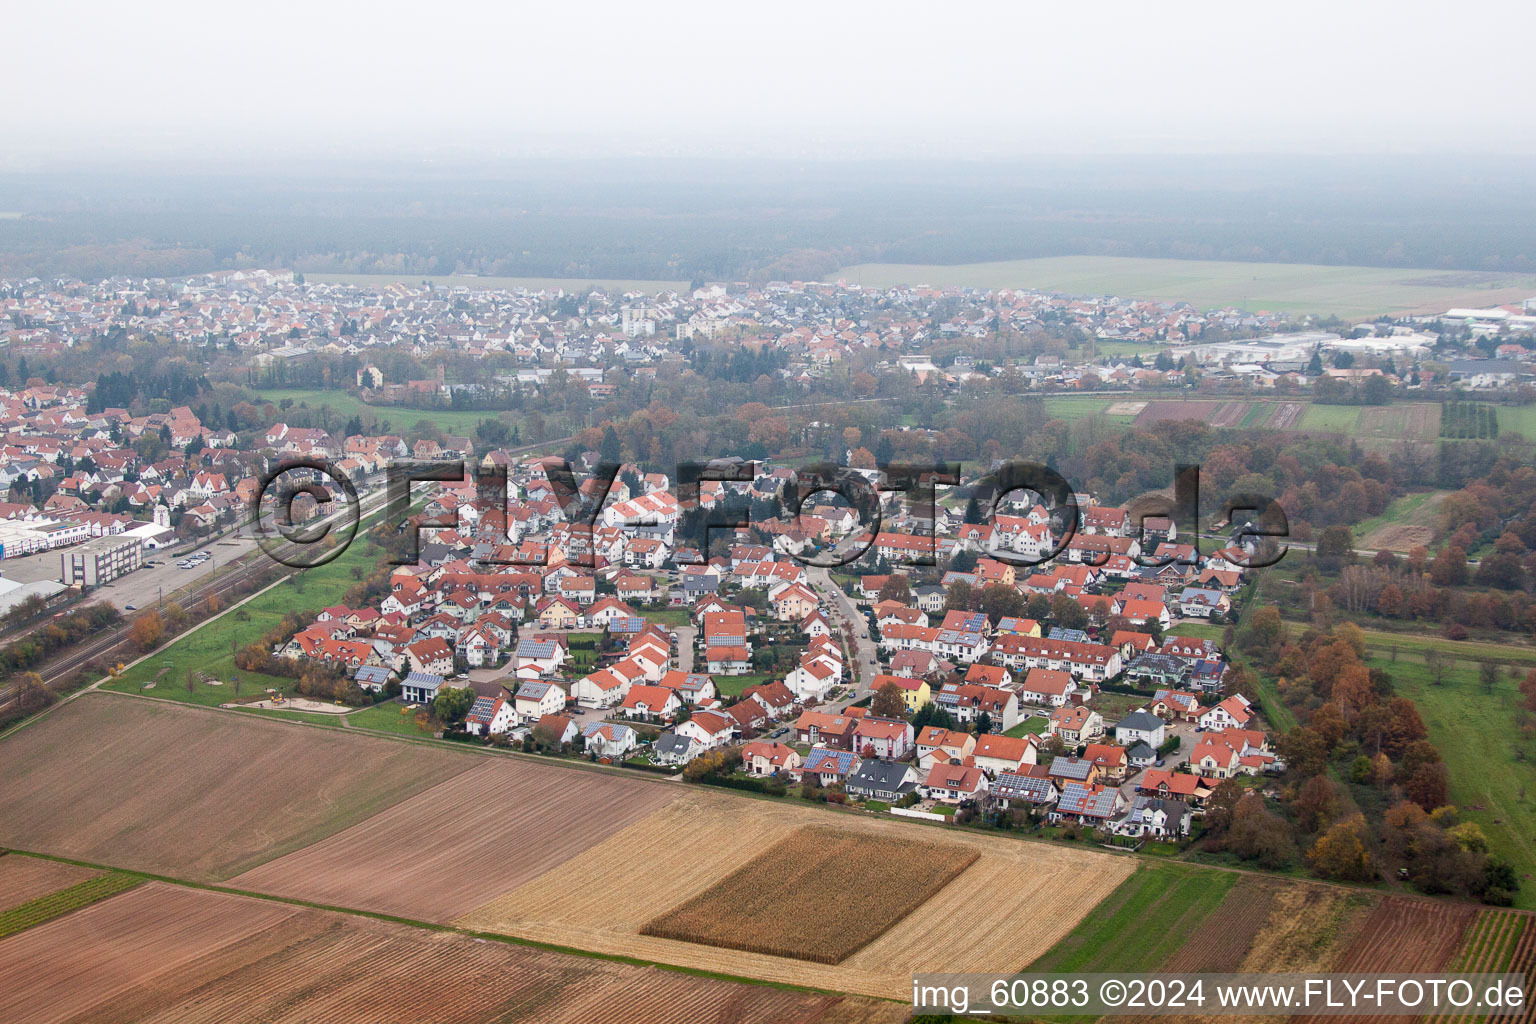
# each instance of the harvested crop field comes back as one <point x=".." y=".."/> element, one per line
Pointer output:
<point x="23" y="879"/>
<point x="163" y="954"/>
<point x="193" y="793"/>
<point x="987" y="919"/>
<point x="1404" y="936"/>
<point x="819" y="894"/>
<point x="1125" y="409"/>
<point x="464" y="842"/>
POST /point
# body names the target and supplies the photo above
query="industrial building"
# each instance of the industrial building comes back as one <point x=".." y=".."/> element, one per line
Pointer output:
<point x="100" y="561"/>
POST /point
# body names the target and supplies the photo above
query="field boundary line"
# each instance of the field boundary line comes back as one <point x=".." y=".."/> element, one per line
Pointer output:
<point x="511" y="940"/>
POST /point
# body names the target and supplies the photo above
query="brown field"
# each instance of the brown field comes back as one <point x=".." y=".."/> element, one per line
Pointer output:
<point x="987" y="919"/>
<point x="1174" y="410"/>
<point x="1398" y="538"/>
<point x="1125" y="408"/>
<point x="1416" y="420"/>
<point x="1305" y="929"/>
<point x="1223" y="940"/>
<point x="194" y="793"/>
<point x="24" y="879"/>
<point x="464" y="842"/>
<point x="814" y="896"/>
<point x="1286" y="416"/>
<point x="1403" y="936"/>
<point x="165" y="955"/>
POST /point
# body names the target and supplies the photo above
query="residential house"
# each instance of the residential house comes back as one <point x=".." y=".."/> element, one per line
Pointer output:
<point x="764" y="758"/>
<point x="879" y="779"/>
<point x="537" y="698"/>
<point x="1140" y="727"/>
<point x="490" y="716"/>
<point x="609" y="739"/>
<point x="953" y="784"/>
<point x="1076" y="724"/>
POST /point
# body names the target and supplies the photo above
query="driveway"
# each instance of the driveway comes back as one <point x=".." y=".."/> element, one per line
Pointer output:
<point x="1186" y="733"/>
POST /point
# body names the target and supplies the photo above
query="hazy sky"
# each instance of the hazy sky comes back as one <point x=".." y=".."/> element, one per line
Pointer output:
<point x="801" y="79"/>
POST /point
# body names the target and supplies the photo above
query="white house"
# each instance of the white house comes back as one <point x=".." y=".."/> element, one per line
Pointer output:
<point x="609" y="739"/>
<point x="536" y="699"/>
<point x="490" y="716"/>
<point x="1140" y="727"/>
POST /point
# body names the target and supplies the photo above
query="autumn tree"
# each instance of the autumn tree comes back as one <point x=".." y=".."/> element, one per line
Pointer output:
<point x="1342" y="852"/>
<point x="1258" y="834"/>
<point x="1449" y="567"/>
<point x="31" y="693"/>
<point x="888" y="702"/>
<point x="1317" y="802"/>
<point x="959" y="597"/>
<point x="1262" y="631"/>
<point x="148" y="630"/>
<point x="895" y="588"/>
<point x="1423" y="775"/>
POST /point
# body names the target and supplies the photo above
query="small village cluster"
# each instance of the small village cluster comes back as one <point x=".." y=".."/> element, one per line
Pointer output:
<point x="621" y="645"/>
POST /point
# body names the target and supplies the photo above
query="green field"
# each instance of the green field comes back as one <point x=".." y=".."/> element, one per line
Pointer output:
<point x="570" y="284"/>
<point x="731" y="686"/>
<point x="387" y="718"/>
<point x="1075" y="407"/>
<point x="1518" y="419"/>
<point x="1331" y="419"/>
<point x="1279" y="287"/>
<point x="209" y="649"/>
<point x="343" y="405"/>
<point x="1141" y="923"/>
<point x="1493" y="779"/>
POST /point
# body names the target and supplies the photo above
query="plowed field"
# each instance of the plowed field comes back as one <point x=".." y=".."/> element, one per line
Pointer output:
<point x="193" y="793"/>
<point x="23" y="879"/>
<point x="463" y="843"/>
<point x="165" y="955"/>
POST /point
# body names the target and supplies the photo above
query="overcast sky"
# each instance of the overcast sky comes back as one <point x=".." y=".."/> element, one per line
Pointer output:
<point x="829" y="78"/>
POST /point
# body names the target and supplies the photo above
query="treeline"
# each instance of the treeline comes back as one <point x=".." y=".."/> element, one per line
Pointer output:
<point x="46" y="641"/>
<point x="1366" y="793"/>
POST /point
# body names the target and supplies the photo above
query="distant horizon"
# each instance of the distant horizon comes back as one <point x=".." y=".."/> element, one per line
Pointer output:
<point x="174" y="79"/>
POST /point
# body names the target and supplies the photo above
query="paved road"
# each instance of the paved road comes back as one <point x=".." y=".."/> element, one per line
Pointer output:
<point x="863" y="647"/>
